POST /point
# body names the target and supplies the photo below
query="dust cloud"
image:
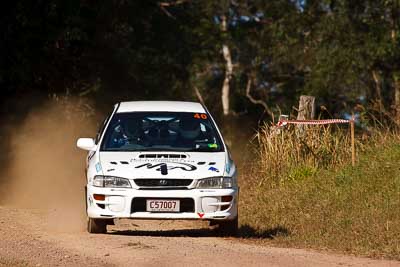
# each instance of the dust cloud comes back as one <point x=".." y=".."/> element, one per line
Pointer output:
<point x="45" y="170"/>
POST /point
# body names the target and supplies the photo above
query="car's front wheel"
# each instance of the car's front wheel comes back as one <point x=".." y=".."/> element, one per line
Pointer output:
<point x="228" y="228"/>
<point x="96" y="226"/>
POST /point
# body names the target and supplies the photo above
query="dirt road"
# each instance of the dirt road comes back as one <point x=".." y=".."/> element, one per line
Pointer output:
<point x="36" y="238"/>
<point x="44" y="177"/>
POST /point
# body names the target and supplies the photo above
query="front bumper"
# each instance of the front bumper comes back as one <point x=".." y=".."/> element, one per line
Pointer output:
<point x="208" y="204"/>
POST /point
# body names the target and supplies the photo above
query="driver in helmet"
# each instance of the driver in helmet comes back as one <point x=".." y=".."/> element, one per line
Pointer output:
<point x="189" y="131"/>
<point x="133" y="130"/>
<point x="128" y="131"/>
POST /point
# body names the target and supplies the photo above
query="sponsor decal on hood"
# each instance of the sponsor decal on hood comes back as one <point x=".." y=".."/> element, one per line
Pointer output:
<point x="194" y="165"/>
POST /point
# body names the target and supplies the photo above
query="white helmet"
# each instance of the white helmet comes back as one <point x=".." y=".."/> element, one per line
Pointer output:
<point x="189" y="128"/>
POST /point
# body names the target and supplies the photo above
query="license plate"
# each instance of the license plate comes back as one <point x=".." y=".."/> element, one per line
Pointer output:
<point x="162" y="205"/>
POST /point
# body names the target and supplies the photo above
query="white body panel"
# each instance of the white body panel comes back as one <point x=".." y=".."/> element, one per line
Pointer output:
<point x="129" y="202"/>
<point x="170" y="106"/>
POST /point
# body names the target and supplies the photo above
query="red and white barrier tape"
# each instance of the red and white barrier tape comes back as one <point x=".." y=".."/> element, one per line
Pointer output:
<point x="312" y="122"/>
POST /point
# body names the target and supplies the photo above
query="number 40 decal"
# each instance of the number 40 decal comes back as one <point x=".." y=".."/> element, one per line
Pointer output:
<point x="200" y="116"/>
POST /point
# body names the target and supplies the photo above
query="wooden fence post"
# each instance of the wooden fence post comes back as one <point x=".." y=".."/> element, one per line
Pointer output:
<point x="306" y="108"/>
<point x="353" y="149"/>
<point x="306" y="111"/>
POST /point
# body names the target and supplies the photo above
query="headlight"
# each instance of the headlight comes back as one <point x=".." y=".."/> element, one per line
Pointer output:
<point x="215" y="182"/>
<point x="111" y="181"/>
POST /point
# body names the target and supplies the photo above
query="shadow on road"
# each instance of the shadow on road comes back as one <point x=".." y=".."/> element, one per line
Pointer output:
<point x="245" y="231"/>
<point x="167" y="233"/>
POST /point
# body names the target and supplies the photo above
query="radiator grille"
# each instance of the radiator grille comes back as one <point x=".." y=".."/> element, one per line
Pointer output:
<point x="163" y="183"/>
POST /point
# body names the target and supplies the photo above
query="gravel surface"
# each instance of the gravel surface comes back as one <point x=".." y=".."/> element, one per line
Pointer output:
<point x="35" y="238"/>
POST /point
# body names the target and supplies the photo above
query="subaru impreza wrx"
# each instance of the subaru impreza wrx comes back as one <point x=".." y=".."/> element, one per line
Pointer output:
<point x="160" y="160"/>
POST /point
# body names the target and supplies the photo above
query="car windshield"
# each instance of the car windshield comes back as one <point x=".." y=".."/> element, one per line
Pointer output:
<point x="161" y="131"/>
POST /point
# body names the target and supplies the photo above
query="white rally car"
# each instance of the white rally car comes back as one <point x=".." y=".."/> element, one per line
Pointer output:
<point x="160" y="160"/>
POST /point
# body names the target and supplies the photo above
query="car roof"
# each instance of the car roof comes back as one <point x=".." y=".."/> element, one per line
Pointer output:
<point x="171" y="106"/>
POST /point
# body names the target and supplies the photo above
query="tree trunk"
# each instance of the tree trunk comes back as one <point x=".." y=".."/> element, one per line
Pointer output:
<point x="378" y="91"/>
<point x="396" y="74"/>
<point x="396" y="85"/>
<point x="228" y="72"/>
<point x="306" y="108"/>
<point x="198" y="95"/>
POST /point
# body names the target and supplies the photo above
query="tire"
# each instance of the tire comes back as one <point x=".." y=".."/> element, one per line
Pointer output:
<point x="228" y="228"/>
<point x="96" y="226"/>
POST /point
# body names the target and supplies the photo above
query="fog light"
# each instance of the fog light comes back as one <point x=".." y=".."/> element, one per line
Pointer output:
<point x="99" y="197"/>
<point x="226" y="198"/>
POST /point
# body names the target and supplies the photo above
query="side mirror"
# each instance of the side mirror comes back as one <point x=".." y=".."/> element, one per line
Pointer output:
<point x="86" y="144"/>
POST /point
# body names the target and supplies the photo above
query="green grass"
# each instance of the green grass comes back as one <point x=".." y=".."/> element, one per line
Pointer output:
<point x="336" y="207"/>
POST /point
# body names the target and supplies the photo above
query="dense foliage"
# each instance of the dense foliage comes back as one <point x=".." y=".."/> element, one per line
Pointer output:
<point x="344" y="52"/>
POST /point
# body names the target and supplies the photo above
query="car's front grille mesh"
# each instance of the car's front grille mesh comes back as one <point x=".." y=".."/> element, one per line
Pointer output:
<point x="139" y="204"/>
<point x="163" y="183"/>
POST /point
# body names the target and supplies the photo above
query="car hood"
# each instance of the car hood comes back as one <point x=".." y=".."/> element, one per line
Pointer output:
<point x="193" y="165"/>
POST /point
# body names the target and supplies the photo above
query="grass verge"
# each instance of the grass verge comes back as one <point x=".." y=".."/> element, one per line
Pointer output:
<point x="335" y="207"/>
